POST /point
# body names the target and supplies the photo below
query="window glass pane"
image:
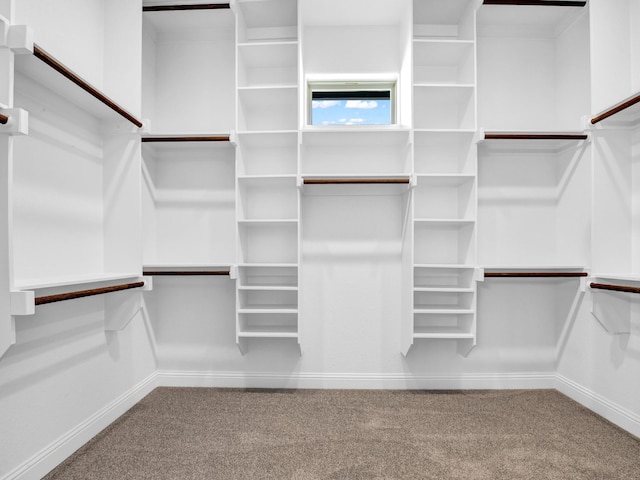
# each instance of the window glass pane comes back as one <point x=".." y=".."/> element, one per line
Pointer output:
<point x="365" y="107"/>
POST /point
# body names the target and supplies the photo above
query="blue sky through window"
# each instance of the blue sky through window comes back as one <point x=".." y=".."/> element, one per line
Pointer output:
<point x="351" y="112"/>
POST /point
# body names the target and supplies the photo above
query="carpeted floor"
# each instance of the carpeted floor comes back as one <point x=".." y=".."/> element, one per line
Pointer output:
<point x="188" y="433"/>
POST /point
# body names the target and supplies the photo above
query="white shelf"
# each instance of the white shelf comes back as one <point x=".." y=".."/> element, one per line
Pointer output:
<point x="286" y="309"/>
<point x="273" y="332"/>
<point x="622" y="277"/>
<point x="267" y="288"/>
<point x="444" y="222"/>
<point x="443" y="290"/>
<point x="443" y="311"/>
<point x="35" y="69"/>
<point x="268" y="222"/>
<point x="186" y="267"/>
<point x="442" y="333"/>
<point x="52" y="282"/>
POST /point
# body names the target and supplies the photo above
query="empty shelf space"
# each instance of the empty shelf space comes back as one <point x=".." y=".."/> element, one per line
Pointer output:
<point x="268" y="324"/>
<point x="268" y="64"/>
<point x="268" y="277"/>
<point x="443" y="61"/>
<point x="268" y="20"/>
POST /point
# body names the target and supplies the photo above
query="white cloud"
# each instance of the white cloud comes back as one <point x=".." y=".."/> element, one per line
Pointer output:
<point x="324" y="103"/>
<point x="361" y="104"/>
<point x="356" y="120"/>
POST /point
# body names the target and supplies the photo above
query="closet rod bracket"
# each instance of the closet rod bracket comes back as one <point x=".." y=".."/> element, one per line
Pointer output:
<point x="17" y="122"/>
<point x="20" y="39"/>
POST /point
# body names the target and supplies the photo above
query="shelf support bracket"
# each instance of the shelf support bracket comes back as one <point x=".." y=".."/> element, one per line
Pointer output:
<point x="122" y="307"/>
<point x="465" y="346"/>
<point x="612" y="310"/>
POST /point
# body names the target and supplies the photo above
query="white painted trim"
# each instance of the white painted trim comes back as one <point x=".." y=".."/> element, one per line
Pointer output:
<point x="51" y="456"/>
<point x="398" y="381"/>
<point x="620" y="416"/>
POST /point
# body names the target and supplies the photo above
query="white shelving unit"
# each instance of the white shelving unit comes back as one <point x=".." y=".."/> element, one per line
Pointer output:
<point x="615" y="130"/>
<point x="188" y="150"/>
<point x="443" y="228"/>
<point x="74" y="182"/>
<point x="534" y="159"/>
<point x="268" y="206"/>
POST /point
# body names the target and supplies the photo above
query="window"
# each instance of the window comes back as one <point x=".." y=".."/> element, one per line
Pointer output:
<point x="351" y="103"/>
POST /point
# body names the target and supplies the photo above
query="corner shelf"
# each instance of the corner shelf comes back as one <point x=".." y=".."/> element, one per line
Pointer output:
<point x="43" y="68"/>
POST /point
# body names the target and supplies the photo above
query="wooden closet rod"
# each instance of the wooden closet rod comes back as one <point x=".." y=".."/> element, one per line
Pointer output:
<point x="535" y="136"/>
<point x="3" y="119"/>
<point x="618" y="108"/>
<point x="360" y="181"/>
<point x="534" y="274"/>
<point x="85" y="293"/>
<point x="57" y="66"/>
<point x="615" y="288"/>
<point x="212" y="138"/>
<point x="173" y="8"/>
<point x="541" y="3"/>
<point x="185" y="272"/>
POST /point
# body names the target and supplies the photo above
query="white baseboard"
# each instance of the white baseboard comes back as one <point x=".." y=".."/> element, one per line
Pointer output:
<point x="624" y="418"/>
<point x="399" y="381"/>
<point x="51" y="456"/>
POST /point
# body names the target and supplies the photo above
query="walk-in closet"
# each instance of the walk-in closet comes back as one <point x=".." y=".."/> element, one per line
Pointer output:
<point x="313" y="194"/>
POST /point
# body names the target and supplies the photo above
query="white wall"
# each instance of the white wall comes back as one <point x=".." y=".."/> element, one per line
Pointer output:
<point x="64" y="373"/>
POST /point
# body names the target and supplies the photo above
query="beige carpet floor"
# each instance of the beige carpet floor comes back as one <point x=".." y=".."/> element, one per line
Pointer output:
<point x="188" y="433"/>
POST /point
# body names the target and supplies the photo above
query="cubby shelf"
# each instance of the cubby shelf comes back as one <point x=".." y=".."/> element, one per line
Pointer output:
<point x="268" y="64"/>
